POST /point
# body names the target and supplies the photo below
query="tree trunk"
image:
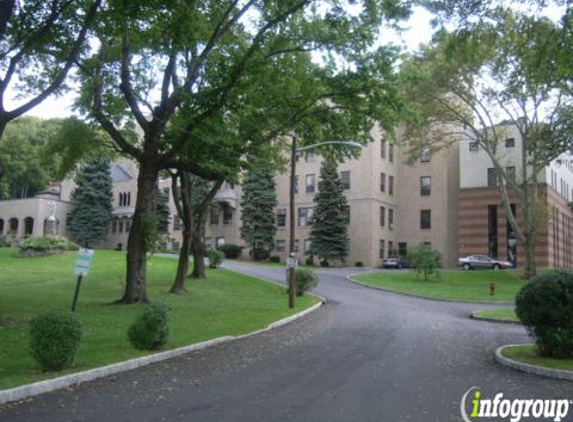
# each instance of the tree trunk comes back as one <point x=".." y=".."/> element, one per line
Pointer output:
<point x="530" y="267"/>
<point x="198" y="251"/>
<point x="178" y="286"/>
<point x="137" y="245"/>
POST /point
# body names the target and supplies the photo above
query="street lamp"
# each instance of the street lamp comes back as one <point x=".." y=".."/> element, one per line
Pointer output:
<point x="294" y="150"/>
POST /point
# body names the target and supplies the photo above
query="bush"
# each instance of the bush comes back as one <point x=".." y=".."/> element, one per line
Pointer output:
<point x="45" y="243"/>
<point x="305" y="280"/>
<point x="309" y="261"/>
<point x="358" y="264"/>
<point x="276" y="259"/>
<point x="4" y="243"/>
<point x="215" y="258"/>
<point x="425" y="260"/>
<point x="151" y="329"/>
<point x="324" y="263"/>
<point x="545" y="306"/>
<point x="231" y="251"/>
<point x="55" y="339"/>
<point x="260" y="254"/>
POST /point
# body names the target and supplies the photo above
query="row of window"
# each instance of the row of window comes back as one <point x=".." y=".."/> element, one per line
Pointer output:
<point x="400" y="250"/>
<point x="390" y="150"/>
<point x="120" y="226"/>
<point x="304" y="216"/>
<point x="125" y="199"/>
<point x="492" y="178"/>
<point x="280" y="246"/>
<point x="563" y="189"/>
<point x="474" y="147"/>
<point x="310" y="182"/>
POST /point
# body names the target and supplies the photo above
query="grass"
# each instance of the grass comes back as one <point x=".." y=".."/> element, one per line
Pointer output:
<point x="527" y="353"/>
<point x="501" y="314"/>
<point x="226" y="303"/>
<point x="467" y="286"/>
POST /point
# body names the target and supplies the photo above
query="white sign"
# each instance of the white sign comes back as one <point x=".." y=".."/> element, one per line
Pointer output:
<point x="292" y="262"/>
<point x="83" y="261"/>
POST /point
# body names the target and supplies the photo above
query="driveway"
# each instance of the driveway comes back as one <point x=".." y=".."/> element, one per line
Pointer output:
<point x="367" y="355"/>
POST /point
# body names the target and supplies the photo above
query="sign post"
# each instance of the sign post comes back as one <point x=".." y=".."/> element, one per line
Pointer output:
<point x="83" y="261"/>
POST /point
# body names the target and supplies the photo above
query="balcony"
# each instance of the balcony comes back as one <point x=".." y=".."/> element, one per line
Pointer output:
<point x="226" y="196"/>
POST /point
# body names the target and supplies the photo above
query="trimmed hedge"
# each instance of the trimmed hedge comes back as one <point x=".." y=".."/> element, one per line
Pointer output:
<point x="275" y="259"/>
<point x="545" y="306"/>
<point x="151" y="329"/>
<point x="55" y="339"/>
<point x="231" y="251"/>
<point x="46" y="243"/>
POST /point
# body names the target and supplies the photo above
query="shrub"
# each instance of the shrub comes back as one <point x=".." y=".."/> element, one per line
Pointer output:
<point x="215" y="258"/>
<point x="55" y="338"/>
<point x="324" y="263"/>
<point x="4" y="243"/>
<point x="151" y="329"/>
<point x="45" y="243"/>
<point x="425" y="260"/>
<point x="260" y="254"/>
<point x="358" y="264"/>
<point x="305" y="280"/>
<point x="309" y="261"/>
<point x="231" y="251"/>
<point x="545" y="306"/>
<point x="276" y="259"/>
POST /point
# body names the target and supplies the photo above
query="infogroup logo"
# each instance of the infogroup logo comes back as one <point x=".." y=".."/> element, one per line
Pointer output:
<point x="513" y="410"/>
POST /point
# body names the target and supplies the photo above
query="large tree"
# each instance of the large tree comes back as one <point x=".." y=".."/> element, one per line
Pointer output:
<point x="474" y="84"/>
<point x="92" y="202"/>
<point x="185" y="70"/>
<point x="258" y="218"/>
<point x="329" y="233"/>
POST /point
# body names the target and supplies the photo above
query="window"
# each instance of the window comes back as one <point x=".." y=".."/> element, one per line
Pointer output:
<point x="381" y="249"/>
<point x="391" y="185"/>
<point x="391" y="153"/>
<point x="175" y="245"/>
<point x="402" y="249"/>
<point x="214" y="216"/>
<point x="127" y="225"/>
<point x="345" y="179"/>
<point x="510" y="173"/>
<point x="425" y="154"/>
<point x="176" y="223"/>
<point x="227" y="215"/>
<point x="382" y="216"/>
<point x="296" y="184"/>
<point x="510" y="143"/>
<point x="220" y="241"/>
<point x="347" y="213"/>
<point x="383" y="148"/>
<point x="307" y="246"/>
<point x="281" y="217"/>
<point x="473" y="146"/>
<point x="114" y="226"/>
<point x="492" y="230"/>
<point x="166" y="192"/>
<point x="491" y="177"/>
<point x="280" y="246"/>
<point x="310" y="183"/>
<point x="425" y="186"/>
<point x="425" y="219"/>
<point x="390" y="218"/>
<point x="296" y="245"/>
<point x="305" y="216"/>
<point x="310" y="157"/>
<point x="390" y="248"/>
<point x="207" y="243"/>
<point x="382" y="182"/>
<point x="120" y="227"/>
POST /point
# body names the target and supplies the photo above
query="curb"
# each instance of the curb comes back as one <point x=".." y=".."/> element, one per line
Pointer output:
<point x="41" y="387"/>
<point x="436" y="299"/>
<point x="531" y="369"/>
<point x="474" y="315"/>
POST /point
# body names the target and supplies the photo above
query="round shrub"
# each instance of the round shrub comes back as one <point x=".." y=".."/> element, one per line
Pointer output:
<point x="305" y="280"/>
<point x="55" y="339"/>
<point x="260" y="254"/>
<point x="231" y="251"/>
<point x="276" y="259"/>
<point x="545" y="306"/>
<point x="151" y="329"/>
<point x="215" y="258"/>
<point x="359" y="264"/>
<point x="309" y="261"/>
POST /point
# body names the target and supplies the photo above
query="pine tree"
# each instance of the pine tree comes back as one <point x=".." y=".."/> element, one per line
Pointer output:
<point x="258" y="217"/>
<point x="329" y="234"/>
<point x="162" y="211"/>
<point x="92" y="202"/>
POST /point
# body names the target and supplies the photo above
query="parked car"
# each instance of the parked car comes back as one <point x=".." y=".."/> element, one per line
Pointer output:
<point x="397" y="262"/>
<point x="482" y="261"/>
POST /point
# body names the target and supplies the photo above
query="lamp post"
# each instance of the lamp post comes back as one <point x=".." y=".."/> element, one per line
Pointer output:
<point x="293" y="152"/>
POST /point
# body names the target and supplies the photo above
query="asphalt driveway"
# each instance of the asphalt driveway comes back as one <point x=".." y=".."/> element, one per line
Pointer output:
<point x="367" y="355"/>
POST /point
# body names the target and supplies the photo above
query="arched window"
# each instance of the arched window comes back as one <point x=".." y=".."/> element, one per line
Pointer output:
<point x="28" y="226"/>
<point x="13" y="229"/>
<point x="128" y="199"/>
<point x="1" y="226"/>
<point x="121" y="199"/>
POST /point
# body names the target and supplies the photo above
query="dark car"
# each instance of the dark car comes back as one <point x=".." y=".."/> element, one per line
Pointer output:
<point x="397" y="262"/>
<point x="482" y="261"/>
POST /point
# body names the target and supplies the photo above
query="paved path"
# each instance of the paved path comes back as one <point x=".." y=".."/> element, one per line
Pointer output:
<point x="367" y="355"/>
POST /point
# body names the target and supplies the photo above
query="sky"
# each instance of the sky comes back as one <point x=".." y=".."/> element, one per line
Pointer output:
<point x="417" y="30"/>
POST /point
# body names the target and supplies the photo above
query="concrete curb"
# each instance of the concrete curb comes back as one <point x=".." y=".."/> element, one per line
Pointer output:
<point x="41" y="387"/>
<point x="531" y="369"/>
<point x="474" y="315"/>
<point x="436" y="299"/>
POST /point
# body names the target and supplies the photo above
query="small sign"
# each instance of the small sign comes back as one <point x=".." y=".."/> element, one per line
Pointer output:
<point x="83" y="261"/>
<point x="292" y="262"/>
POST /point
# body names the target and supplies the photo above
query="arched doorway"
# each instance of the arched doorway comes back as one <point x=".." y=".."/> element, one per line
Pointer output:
<point x="28" y="226"/>
<point x="13" y="227"/>
<point x="1" y="227"/>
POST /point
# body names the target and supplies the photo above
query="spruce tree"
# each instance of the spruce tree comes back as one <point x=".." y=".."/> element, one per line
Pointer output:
<point x="258" y="217"/>
<point x="162" y="212"/>
<point x="92" y="202"/>
<point x="329" y="234"/>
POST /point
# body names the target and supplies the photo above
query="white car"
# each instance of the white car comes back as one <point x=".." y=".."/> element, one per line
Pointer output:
<point x="482" y="261"/>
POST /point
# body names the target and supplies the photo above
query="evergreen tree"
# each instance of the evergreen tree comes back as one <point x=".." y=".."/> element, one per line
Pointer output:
<point x="329" y="234"/>
<point x="162" y="212"/>
<point x="258" y="217"/>
<point x="91" y="200"/>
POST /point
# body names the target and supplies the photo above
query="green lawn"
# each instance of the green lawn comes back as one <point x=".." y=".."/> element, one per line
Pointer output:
<point x="471" y="286"/>
<point x="226" y="303"/>
<point x="527" y="353"/>
<point x="501" y="314"/>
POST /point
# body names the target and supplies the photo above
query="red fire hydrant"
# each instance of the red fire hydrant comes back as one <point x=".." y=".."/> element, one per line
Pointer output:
<point x="492" y="288"/>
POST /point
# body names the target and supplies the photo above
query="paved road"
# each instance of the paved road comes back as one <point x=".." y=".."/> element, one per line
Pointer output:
<point x="367" y="355"/>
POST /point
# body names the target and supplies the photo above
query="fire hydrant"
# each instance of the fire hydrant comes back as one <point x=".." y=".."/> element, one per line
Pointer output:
<point x="492" y="288"/>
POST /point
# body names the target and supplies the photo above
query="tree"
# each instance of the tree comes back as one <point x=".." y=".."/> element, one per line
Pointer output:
<point x="469" y="83"/>
<point x="329" y="233"/>
<point x="162" y="211"/>
<point x="186" y="74"/>
<point x="425" y="260"/>
<point x="258" y="202"/>
<point x="92" y="202"/>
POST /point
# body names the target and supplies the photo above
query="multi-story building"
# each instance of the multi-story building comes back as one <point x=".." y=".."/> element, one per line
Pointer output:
<point x="482" y="223"/>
